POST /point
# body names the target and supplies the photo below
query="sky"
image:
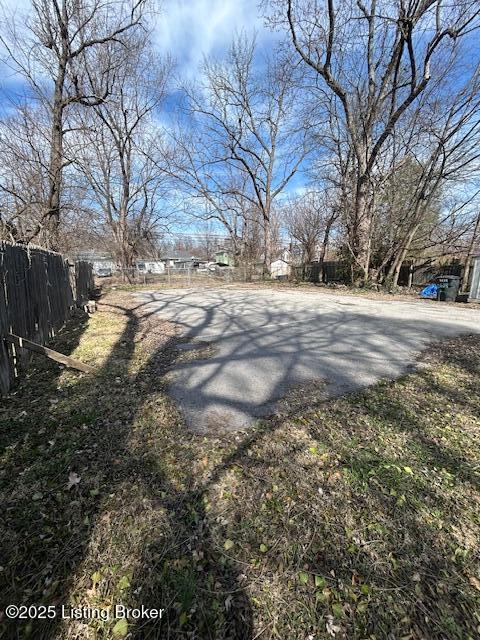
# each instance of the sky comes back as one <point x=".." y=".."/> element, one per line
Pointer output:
<point x="191" y="29"/>
<point x="188" y="30"/>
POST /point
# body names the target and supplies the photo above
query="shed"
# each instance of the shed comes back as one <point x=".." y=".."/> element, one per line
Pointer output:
<point x="475" y="285"/>
<point x="224" y="258"/>
<point x="279" y="268"/>
<point x="150" y="266"/>
<point x="102" y="265"/>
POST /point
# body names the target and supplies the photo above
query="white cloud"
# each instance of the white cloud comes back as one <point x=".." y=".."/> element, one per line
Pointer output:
<point x="190" y="29"/>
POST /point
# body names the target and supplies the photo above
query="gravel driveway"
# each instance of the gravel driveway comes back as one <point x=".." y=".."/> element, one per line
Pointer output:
<point x="267" y="344"/>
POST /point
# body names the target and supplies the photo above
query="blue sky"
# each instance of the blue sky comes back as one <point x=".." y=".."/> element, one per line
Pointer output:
<point x="190" y="29"/>
<point x="186" y="29"/>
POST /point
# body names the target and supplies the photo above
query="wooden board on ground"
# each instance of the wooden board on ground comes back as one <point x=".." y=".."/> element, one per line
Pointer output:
<point x="23" y="343"/>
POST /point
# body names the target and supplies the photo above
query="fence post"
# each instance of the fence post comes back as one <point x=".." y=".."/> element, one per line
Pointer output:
<point x="410" y="275"/>
<point x="4" y="355"/>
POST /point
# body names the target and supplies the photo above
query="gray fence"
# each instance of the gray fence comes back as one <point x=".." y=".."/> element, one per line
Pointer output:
<point x="419" y="275"/>
<point x="339" y="272"/>
<point x="184" y="277"/>
<point x="329" y="271"/>
<point x="38" y="290"/>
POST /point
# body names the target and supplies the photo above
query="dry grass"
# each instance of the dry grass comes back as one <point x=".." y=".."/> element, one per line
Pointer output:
<point x="355" y="518"/>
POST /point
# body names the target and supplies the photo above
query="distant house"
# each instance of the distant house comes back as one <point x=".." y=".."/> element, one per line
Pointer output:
<point x="224" y="258"/>
<point x="280" y="269"/>
<point x="180" y="260"/>
<point x="184" y="263"/>
<point x="102" y="263"/>
<point x="150" y="266"/>
<point x="104" y="266"/>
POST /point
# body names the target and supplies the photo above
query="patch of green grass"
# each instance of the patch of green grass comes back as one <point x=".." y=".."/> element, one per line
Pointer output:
<point x="355" y="518"/>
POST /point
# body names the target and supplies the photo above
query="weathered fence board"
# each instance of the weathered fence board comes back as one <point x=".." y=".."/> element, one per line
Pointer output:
<point x="83" y="282"/>
<point x="50" y="353"/>
<point x="38" y="290"/>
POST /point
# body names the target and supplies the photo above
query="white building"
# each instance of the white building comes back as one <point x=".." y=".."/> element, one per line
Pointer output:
<point x="151" y="266"/>
<point x="104" y="267"/>
<point x="475" y="286"/>
<point x="280" y="268"/>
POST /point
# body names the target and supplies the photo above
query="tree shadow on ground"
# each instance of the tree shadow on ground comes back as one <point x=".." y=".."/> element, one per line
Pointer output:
<point x="265" y="345"/>
<point x="42" y="376"/>
<point x="378" y="526"/>
<point x="343" y="519"/>
<point x="50" y="530"/>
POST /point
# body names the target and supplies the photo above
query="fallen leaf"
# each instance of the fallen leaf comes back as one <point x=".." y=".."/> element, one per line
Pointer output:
<point x="303" y="577"/>
<point x="332" y="629"/>
<point x="228" y="544"/>
<point x="319" y="581"/>
<point x="120" y="629"/>
<point x="124" y="583"/>
<point x="475" y="582"/>
<point x="73" y="479"/>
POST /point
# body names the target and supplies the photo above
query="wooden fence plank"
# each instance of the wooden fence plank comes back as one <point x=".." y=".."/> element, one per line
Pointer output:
<point x="38" y="290"/>
<point x="23" y="343"/>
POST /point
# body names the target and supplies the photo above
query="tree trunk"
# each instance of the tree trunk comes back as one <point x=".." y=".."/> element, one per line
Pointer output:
<point x="411" y="271"/>
<point x="52" y="217"/>
<point x="324" y="245"/>
<point x="402" y="255"/>
<point x="363" y="230"/>
<point x="127" y="254"/>
<point x="267" y="246"/>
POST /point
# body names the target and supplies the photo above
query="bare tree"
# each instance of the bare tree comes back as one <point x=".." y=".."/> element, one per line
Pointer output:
<point x="117" y="154"/>
<point x="247" y="139"/>
<point x="24" y="183"/>
<point x="69" y="53"/>
<point x="471" y="247"/>
<point x="23" y="171"/>
<point x="308" y="220"/>
<point x="434" y="155"/>
<point x="376" y="59"/>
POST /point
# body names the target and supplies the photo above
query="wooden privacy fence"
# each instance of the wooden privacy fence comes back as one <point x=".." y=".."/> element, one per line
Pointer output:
<point x="338" y="271"/>
<point x="420" y="275"/>
<point x="38" y="291"/>
<point x="329" y="271"/>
